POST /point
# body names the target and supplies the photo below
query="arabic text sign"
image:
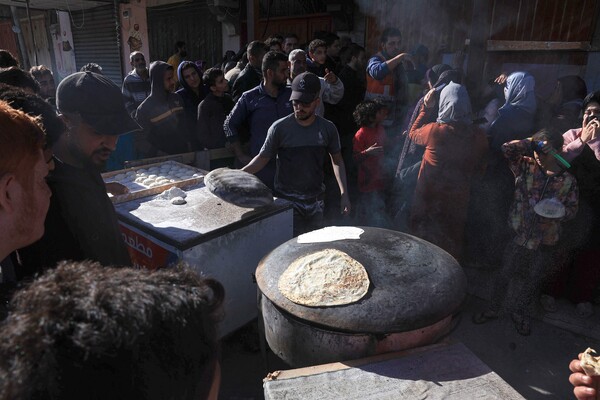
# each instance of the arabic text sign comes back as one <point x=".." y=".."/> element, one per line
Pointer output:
<point x="144" y="252"/>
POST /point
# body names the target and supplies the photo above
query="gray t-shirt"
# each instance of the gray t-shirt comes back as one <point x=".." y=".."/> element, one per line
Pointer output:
<point x="301" y="152"/>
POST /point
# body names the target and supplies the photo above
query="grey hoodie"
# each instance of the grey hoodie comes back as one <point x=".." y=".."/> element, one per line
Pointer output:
<point x="162" y="119"/>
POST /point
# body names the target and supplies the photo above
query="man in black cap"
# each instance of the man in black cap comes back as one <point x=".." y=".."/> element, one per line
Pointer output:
<point x="301" y="142"/>
<point x="82" y="223"/>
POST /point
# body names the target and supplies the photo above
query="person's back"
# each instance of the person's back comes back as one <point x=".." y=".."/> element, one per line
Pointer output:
<point x="516" y="118"/>
<point x="83" y="331"/>
<point x="455" y="153"/>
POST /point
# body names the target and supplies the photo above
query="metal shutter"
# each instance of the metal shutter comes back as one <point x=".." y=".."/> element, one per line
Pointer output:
<point x="95" y="40"/>
<point x="191" y="22"/>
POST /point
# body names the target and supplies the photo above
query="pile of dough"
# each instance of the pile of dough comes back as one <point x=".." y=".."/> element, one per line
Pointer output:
<point x="326" y="278"/>
<point x="168" y="172"/>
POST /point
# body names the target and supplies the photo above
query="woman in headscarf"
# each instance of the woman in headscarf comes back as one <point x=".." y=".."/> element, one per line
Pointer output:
<point x="492" y="199"/>
<point x="454" y="155"/>
<point x="410" y="157"/>
<point x="517" y="116"/>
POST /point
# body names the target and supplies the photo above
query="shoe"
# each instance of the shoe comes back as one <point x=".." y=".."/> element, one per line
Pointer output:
<point x="584" y="310"/>
<point x="522" y="324"/>
<point x="484" y="316"/>
<point x="548" y="303"/>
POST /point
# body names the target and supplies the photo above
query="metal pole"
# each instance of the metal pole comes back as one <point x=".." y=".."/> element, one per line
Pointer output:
<point x="32" y="35"/>
<point x="117" y="16"/>
<point x="19" y="32"/>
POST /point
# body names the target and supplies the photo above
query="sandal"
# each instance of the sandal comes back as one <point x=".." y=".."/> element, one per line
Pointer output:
<point x="522" y="324"/>
<point x="484" y="316"/>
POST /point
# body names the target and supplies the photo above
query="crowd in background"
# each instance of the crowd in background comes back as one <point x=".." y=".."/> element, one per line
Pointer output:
<point x="498" y="177"/>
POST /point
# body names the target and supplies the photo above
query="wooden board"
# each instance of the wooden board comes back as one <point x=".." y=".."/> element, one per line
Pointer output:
<point x="144" y="191"/>
<point x="518" y="45"/>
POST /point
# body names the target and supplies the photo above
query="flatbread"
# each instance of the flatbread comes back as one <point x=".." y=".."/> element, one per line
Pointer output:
<point x="326" y="278"/>
<point x="590" y="362"/>
<point x="238" y="187"/>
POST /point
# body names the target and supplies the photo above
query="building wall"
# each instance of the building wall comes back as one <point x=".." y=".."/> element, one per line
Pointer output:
<point x="133" y="15"/>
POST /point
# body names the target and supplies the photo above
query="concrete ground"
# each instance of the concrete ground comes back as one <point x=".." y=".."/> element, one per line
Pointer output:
<point x="536" y="366"/>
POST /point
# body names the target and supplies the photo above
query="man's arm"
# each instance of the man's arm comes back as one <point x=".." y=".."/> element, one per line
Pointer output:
<point x="234" y="121"/>
<point x="333" y="90"/>
<point x="256" y="164"/>
<point x="379" y="69"/>
<point x="339" y="170"/>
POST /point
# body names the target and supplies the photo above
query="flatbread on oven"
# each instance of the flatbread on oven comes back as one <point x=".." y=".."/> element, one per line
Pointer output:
<point x="590" y="362"/>
<point x="238" y="187"/>
<point x="326" y="278"/>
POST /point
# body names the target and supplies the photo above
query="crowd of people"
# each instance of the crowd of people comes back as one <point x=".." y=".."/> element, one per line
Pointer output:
<point x="498" y="177"/>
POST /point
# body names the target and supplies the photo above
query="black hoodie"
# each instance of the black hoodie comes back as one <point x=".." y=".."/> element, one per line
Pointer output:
<point x="162" y="118"/>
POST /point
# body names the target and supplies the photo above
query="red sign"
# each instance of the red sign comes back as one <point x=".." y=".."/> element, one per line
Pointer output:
<point x="145" y="252"/>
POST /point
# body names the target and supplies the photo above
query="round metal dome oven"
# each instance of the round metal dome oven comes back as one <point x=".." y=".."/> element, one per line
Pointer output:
<point x="415" y="289"/>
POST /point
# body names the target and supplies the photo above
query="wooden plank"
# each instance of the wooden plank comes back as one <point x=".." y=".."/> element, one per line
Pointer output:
<point x="517" y="45"/>
<point x="144" y="191"/>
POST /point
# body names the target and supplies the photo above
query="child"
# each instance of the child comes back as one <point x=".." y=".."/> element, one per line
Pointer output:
<point x="212" y="112"/>
<point x="368" y="145"/>
<point x="531" y="252"/>
<point x="317" y="53"/>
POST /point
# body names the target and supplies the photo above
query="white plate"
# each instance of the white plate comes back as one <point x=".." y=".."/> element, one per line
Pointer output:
<point x="550" y="208"/>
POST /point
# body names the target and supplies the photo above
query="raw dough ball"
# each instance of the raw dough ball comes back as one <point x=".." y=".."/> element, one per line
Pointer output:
<point x="178" y="201"/>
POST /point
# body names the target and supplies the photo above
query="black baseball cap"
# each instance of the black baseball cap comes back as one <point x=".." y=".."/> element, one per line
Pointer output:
<point x="98" y="101"/>
<point x="305" y="87"/>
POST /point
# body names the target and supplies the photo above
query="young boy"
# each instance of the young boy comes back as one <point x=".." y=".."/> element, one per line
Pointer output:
<point x="317" y="53"/>
<point x="530" y="254"/>
<point x="213" y="110"/>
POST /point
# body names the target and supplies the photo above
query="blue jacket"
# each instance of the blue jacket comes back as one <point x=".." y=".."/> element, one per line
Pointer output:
<point x="256" y="111"/>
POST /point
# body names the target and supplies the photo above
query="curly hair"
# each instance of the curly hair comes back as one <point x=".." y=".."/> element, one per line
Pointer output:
<point x="315" y="44"/>
<point x="35" y="106"/>
<point x="364" y="114"/>
<point x="17" y="77"/>
<point x="87" y="331"/>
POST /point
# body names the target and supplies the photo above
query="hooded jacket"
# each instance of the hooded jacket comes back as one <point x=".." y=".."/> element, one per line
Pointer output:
<point x="161" y="116"/>
<point x="190" y="99"/>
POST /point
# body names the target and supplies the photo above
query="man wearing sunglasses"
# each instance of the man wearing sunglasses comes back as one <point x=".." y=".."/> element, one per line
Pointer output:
<point x="300" y="142"/>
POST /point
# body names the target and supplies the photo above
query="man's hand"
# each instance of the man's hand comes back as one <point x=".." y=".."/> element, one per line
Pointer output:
<point x="116" y="188"/>
<point x="330" y="77"/>
<point x="590" y="131"/>
<point x="429" y="100"/>
<point x="244" y="159"/>
<point x="345" y="206"/>
<point x="374" y="150"/>
<point x="546" y="147"/>
<point x="586" y="387"/>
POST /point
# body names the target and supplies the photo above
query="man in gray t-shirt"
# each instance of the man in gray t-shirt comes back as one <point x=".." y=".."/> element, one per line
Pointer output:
<point x="301" y="142"/>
